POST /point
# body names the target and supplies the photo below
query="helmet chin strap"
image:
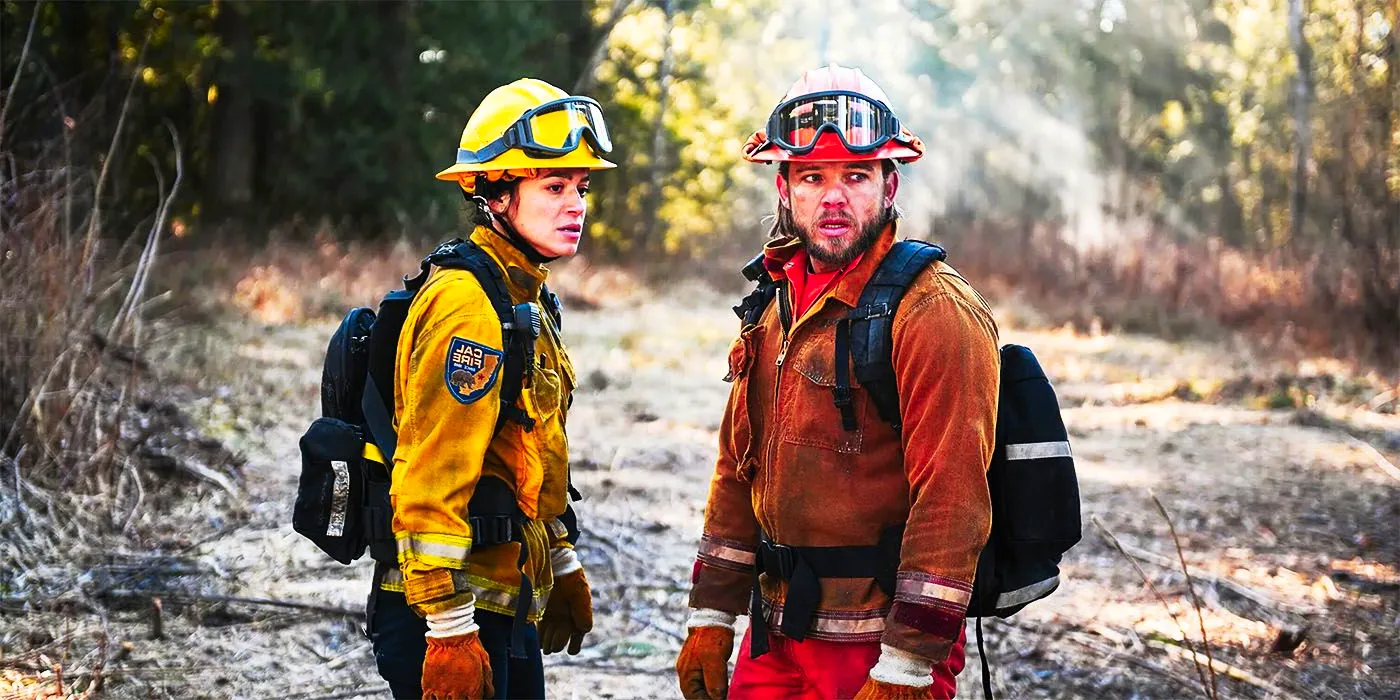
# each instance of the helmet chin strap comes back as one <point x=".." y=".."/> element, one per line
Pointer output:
<point x="504" y="228"/>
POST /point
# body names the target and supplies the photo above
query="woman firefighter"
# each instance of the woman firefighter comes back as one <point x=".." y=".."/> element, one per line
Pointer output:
<point x="487" y="577"/>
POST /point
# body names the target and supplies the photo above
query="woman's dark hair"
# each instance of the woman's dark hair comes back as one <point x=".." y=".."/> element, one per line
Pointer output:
<point x="486" y="191"/>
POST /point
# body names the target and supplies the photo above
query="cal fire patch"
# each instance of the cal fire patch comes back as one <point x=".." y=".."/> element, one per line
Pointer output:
<point x="471" y="369"/>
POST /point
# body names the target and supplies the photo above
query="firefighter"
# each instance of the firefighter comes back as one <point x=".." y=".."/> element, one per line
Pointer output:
<point x="487" y="577"/>
<point x="850" y="542"/>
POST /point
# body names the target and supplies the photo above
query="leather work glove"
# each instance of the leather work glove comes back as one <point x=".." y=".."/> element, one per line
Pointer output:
<point x="880" y="690"/>
<point x="456" y="666"/>
<point x="703" y="666"/>
<point x="568" y="615"/>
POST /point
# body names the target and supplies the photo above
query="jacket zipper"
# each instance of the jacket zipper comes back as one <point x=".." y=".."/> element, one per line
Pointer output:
<point x="784" y="320"/>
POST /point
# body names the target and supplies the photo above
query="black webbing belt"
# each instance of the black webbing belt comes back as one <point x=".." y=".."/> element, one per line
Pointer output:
<point x="803" y="568"/>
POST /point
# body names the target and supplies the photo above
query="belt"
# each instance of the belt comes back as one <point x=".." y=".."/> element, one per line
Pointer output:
<point x="803" y="568"/>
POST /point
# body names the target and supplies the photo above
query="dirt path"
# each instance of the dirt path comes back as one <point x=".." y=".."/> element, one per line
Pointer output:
<point x="1296" y="514"/>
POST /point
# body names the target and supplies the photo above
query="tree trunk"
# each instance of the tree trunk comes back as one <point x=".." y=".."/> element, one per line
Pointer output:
<point x="600" y="47"/>
<point x="652" y="240"/>
<point x="1302" y="107"/>
<point x="234" y="154"/>
<point x="396" y="58"/>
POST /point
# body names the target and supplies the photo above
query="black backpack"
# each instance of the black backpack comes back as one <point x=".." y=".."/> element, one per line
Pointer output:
<point x="342" y="502"/>
<point x="1034" y="490"/>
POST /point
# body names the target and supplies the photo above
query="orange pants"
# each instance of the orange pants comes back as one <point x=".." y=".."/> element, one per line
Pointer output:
<point x="819" y="670"/>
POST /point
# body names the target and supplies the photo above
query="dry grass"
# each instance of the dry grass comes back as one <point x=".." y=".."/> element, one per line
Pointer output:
<point x="289" y="280"/>
<point x="99" y="469"/>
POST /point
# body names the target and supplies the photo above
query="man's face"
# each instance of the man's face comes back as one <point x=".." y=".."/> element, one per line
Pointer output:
<point x="837" y="208"/>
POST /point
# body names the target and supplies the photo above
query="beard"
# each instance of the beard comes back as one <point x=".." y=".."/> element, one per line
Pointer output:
<point x="843" y="255"/>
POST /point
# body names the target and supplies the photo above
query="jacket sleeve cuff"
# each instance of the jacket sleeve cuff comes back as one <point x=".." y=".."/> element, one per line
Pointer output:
<point x="433" y="590"/>
<point x="927" y="615"/>
<point x="899" y="667"/>
<point x="723" y="575"/>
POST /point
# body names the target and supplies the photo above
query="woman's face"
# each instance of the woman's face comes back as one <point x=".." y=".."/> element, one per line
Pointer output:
<point x="547" y="211"/>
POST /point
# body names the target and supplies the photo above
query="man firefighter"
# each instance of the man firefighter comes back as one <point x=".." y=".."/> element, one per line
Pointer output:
<point x="851" y="542"/>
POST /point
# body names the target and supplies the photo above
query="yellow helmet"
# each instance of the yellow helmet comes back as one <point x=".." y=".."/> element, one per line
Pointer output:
<point x="527" y="125"/>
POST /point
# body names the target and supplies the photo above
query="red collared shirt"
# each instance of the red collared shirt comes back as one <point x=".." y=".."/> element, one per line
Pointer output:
<point x="808" y="286"/>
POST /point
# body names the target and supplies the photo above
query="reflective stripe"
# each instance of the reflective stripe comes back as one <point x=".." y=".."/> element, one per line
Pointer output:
<point x="340" y="498"/>
<point x="727" y="550"/>
<point x="372" y="453"/>
<point x="1035" y="591"/>
<point x="1037" y="450"/>
<point x="926" y="588"/>
<point x="489" y="594"/>
<point x="451" y="555"/>
<point x="503" y="602"/>
<point x="494" y="599"/>
<point x="557" y="528"/>
<point x="841" y="626"/>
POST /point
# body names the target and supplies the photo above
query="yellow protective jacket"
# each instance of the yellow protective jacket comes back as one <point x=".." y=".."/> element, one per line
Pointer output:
<point x="448" y="375"/>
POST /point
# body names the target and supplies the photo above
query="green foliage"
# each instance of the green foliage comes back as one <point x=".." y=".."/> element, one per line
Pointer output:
<point x="1109" y="119"/>
<point x="288" y="112"/>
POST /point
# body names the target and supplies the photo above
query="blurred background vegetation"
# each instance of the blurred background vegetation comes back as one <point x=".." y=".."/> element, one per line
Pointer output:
<point x="192" y="191"/>
<point x="1159" y="165"/>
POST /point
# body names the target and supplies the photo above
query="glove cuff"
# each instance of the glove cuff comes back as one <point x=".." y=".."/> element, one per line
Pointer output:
<point x="898" y="667"/>
<point x="706" y="617"/>
<point x="453" y="622"/>
<point x="564" y="560"/>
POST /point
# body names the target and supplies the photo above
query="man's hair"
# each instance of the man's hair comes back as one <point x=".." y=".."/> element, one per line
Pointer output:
<point x="783" y="224"/>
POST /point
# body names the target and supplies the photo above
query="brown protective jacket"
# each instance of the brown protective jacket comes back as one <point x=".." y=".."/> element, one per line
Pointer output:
<point x="788" y="468"/>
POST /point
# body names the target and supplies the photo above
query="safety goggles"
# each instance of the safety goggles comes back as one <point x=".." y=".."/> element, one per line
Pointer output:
<point x="550" y="130"/>
<point x="862" y="124"/>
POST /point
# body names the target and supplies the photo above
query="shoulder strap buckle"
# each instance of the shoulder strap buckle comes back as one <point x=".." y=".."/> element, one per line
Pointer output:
<point x="444" y="250"/>
<point x="863" y="313"/>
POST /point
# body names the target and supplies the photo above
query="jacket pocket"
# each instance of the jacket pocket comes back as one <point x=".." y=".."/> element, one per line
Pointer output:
<point x="546" y="391"/>
<point x="808" y="410"/>
<point x="543" y="476"/>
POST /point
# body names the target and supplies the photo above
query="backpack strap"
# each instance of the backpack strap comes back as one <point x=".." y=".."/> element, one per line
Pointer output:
<point x="517" y="333"/>
<point x="867" y="332"/>
<point x="377" y="418"/>
<point x="376" y="401"/>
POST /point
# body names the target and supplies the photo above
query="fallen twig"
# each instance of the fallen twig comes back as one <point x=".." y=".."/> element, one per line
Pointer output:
<point x="182" y="597"/>
<point x="1234" y="672"/>
<point x="1103" y="530"/>
<point x="1377" y="458"/>
<point x="663" y="630"/>
<point x="1087" y="640"/>
<point x="1195" y="600"/>
<point x="1283" y="613"/>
